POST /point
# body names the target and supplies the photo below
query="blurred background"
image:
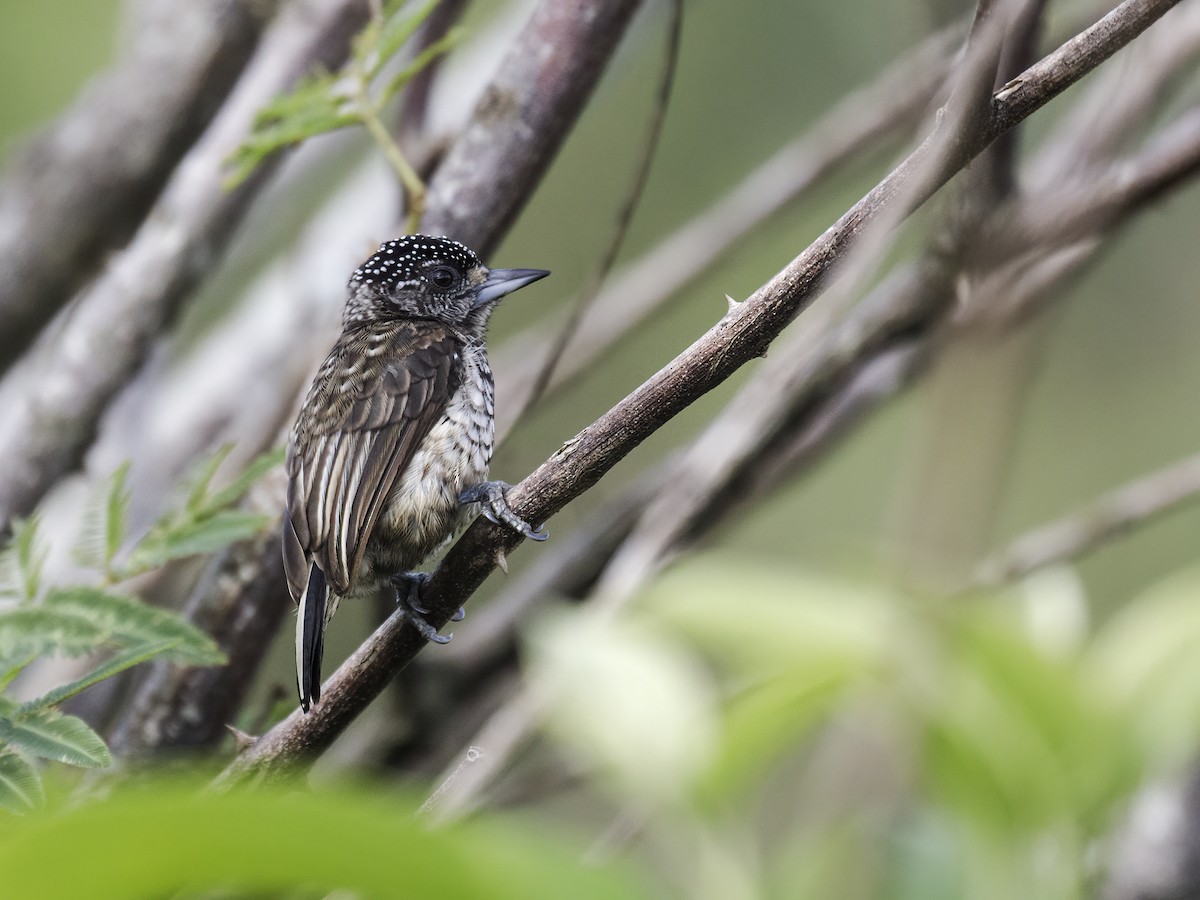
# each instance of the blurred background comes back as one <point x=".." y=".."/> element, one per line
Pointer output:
<point x="1001" y="428"/>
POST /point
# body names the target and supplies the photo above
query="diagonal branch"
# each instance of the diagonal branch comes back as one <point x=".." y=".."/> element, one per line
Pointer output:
<point x="1099" y="522"/>
<point x="739" y="337"/>
<point x="522" y="119"/>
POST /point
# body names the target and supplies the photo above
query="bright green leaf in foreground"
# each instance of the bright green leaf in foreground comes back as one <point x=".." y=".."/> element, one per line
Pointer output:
<point x="154" y="842"/>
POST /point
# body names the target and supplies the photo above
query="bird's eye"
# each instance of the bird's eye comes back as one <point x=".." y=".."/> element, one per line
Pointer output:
<point x="443" y="278"/>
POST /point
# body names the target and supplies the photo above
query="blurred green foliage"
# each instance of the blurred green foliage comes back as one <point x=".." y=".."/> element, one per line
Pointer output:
<point x="358" y="95"/>
<point x="98" y="620"/>
<point x="932" y="742"/>
<point x="159" y="840"/>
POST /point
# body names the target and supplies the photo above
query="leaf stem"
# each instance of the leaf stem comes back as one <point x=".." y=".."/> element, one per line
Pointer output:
<point x="414" y="187"/>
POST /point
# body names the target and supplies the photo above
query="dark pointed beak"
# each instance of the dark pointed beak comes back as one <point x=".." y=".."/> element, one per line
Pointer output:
<point x="504" y="281"/>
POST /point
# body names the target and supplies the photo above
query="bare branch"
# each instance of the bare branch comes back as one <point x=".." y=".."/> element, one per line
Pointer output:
<point x="740" y="336"/>
<point x="80" y="189"/>
<point x="587" y="297"/>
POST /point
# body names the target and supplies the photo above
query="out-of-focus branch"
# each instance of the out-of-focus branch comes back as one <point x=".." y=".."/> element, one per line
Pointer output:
<point x="522" y="119"/>
<point x="55" y="396"/>
<point x="740" y="336"/>
<point x="1106" y="518"/>
<point x="81" y="188"/>
<point x="787" y="385"/>
<point x="890" y="104"/>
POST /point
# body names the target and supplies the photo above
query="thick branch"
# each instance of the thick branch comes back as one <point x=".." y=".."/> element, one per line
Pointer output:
<point x="739" y="337"/>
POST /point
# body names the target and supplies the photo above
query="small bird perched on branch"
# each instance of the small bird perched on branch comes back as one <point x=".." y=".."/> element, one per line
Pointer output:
<point x="392" y="445"/>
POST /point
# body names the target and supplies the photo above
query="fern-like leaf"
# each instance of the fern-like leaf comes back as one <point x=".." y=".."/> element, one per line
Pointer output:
<point x="236" y="489"/>
<point x="126" y="659"/>
<point x="27" y="632"/>
<point x="130" y="623"/>
<point x="105" y="523"/>
<point x="423" y="59"/>
<point x="21" y="562"/>
<point x="201" y="479"/>
<point x="20" y="785"/>
<point x="48" y="734"/>
<point x="180" y="539"/>
<point x="397" y="28"/>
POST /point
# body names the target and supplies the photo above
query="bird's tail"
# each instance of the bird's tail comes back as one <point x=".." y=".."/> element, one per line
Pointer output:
<point x="310" y="636"/>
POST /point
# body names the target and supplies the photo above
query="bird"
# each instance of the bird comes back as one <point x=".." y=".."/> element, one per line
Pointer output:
<point x="388" y="457"/>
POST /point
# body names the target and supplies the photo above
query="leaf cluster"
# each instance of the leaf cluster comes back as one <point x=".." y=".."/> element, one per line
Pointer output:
<point x="101" y="621"/>
<point x="356" y="95"/>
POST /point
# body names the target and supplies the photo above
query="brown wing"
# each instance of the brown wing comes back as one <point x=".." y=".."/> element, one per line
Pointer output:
<point x="371" y="405"/>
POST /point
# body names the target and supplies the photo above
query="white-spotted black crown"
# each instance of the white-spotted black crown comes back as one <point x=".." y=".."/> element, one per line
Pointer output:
<point x="401" y="261"/>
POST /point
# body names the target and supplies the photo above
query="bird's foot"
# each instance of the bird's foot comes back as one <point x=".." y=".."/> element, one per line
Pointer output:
<point x="492" y="497"/>
<point x="409" y="586"/>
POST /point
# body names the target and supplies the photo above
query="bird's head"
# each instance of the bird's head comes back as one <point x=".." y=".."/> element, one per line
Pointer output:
<point x="423" y="277"/>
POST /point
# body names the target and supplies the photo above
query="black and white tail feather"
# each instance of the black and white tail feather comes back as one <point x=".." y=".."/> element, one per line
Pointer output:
<point x="310" y="636"/>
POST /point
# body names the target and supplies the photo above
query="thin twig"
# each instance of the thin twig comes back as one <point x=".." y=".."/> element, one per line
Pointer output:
<point x="892" y="103"/>
<point x="433" y="803"/>
<point x="1101" y="521"/>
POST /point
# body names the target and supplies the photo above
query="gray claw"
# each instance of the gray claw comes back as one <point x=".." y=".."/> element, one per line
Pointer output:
<point x="493" y="505"/>
<point x="408" y="598"/>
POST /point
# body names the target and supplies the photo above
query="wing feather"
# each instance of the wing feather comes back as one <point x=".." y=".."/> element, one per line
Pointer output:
<point x="364" y="419"/>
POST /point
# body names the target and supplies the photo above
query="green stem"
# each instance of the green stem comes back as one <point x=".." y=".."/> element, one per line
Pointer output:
<point x="414" y="187"/>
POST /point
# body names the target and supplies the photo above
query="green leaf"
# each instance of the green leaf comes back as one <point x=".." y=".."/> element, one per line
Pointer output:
<point x="35" y="632"/>
<point x="126" y="659"/>
<point x="314" y="107"/>
<point x="134" y="624"/>
<point x="181" y="539"/>
<point x="235" y="490"/>
<point x="11" y="668"/>
<point x="20" y="784"/>
<point x="424" y="58"/>
<point x="202" y="477"/>
<point x="253" y="843"/>
<point x="21" y="561"/>
<point x="49" y="734"/>
<point x="397" y="29"/>
<point x="1146" y="662"/>
<point x="106" y="523"/>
